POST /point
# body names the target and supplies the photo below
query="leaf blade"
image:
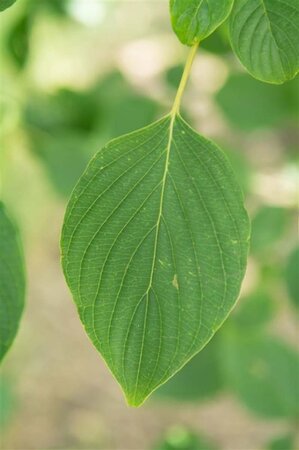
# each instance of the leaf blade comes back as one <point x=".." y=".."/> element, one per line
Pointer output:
<point x="265" y="39"/>
<point x="193" y="21"/>
<point x="12" y="282"/>
<point x="4" y="4"/>
<point x="148" y="317"/>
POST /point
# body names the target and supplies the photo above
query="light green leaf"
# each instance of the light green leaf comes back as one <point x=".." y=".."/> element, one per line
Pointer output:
<point x="12" y="282"/>
<point x="265" y="37"/>
<point x="255" y="311"/>
<point x="181" y="438"/>
<point x="268" y="227"/>
<point x="292" y="276"/>
<point x="194" y="20"/>
<point x="7" y="403"/>
<point x="4" y="4"/>
<point x="154" y="249"/>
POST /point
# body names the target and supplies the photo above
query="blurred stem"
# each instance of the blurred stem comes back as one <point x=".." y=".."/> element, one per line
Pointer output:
<point x="177" y="102"/>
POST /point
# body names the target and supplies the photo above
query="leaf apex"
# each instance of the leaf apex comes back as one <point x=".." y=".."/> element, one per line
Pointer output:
<point x="134" y="401"/>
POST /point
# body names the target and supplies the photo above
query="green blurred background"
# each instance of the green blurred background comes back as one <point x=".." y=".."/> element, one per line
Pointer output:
<point x="74" y="74"/>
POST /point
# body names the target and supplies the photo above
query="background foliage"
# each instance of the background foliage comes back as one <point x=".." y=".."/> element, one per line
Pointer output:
<point x="70" y="82"/>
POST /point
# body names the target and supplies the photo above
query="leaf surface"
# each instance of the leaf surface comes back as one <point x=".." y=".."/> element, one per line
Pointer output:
<point x="194" y="20"/>
<point x="12" y="282"/>
<point x="154" y="249"/>
<point x="265" y="37"/>
<point x="4" y="4"/>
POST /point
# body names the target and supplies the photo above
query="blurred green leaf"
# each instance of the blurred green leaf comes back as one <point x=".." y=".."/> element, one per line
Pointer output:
<point x="60" y="127"/>
<point x="4" y="4"/>
<point x="285" y="442"/>
<point x="56" y="6"/>
<point x="173" y="75"/>
<point x="268" y="226"/>
<point x="254" y="311"/>
<point x="12" y="281"/>
<point x="218" y="42"/>
<point x="292" y="276"/>
<point x="66" y="128"/>
<point x="180" y="438"/>
<point x="125" y="109"/>
<point x="200" y="379"/>
<point x="7" y="402"/>
<point x="263" y="372"/>
<point x="18" y="38"/>
<point x="265" y="105"/>
<point x="66" y="110"/>
<point x="240" y="166"/>
<point x="65" y="157"/>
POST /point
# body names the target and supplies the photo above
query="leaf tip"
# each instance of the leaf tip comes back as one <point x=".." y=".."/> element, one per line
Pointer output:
<point x="135" y="400"/>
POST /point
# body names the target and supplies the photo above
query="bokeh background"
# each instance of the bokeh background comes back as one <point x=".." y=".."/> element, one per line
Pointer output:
<point x="74" y="74"/>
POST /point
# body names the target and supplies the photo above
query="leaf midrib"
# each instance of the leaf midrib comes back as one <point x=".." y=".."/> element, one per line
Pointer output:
<point x="173" y="116"/>
<point x="164" y="178"/>
<point x="272" y="34"/>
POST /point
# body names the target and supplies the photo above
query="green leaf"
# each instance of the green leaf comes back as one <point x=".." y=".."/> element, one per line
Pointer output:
<point x="195" y="20"/>
<point x="66" y="110"/>
<point x="292" y="276"/>
<point x="285" y="442"/>
<point x="199" y="380"/>
<point x="17" y="40"/>
<point x="266" y="105"/>
<point x="7" y="403"/>
<point x="263" y="372"/>
<point x="154" y="249"/>
<point x="125" y="109"/>
<point x="265" y="37"/>
<point x="268" y="227"/>
<point x="12" y="282"/>
<point x="66" y="126"/>
<point x="180" y="438"/>
<point x="4" y="4"/>
<point x="218" y="42"/>
<point x="254" y="311"/>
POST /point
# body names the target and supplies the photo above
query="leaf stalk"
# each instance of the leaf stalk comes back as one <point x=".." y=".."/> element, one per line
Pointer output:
<point x="177" y="102"/>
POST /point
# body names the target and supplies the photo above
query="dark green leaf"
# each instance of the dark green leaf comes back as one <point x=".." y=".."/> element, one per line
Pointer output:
<point x="218" y="42"/>
<point x="194" y="20"/>
<point x="265" y="37"/>
<point x="173" y="75"/>
<point x="292" y="276"/>
<point x="154" y="249"/>
<point x="12" y="282"/>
